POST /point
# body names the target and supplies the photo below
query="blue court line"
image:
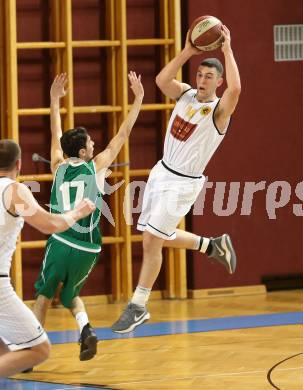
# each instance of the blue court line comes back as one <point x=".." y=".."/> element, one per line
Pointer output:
<point x="11" y="384"/>
<point x="158" y="329"/>
<point x="190" y="326"/>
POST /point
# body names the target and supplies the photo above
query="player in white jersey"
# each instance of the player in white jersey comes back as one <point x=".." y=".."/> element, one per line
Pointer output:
<point x="197" y="126"/>
<point x="23" y="341"/>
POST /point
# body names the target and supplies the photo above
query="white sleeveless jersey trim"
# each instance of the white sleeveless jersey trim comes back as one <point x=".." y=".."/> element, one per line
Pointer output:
<point x="100" y="178"/>
<point x="191" y="136"/>
<point x="10" y="228"/>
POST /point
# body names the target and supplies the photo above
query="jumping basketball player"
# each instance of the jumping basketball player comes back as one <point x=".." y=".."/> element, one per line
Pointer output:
<point x="196" y="128"/>
<point x="71" y="255"/>
<point x="23" y="342"/>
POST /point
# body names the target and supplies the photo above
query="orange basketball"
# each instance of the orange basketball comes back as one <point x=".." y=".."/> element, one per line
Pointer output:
<point x="206" y="33"/>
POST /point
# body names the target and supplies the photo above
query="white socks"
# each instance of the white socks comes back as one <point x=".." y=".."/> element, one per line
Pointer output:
<point x="204" y="244"/>
<point x="81" y="319"/>
<point x="141" y="296"/>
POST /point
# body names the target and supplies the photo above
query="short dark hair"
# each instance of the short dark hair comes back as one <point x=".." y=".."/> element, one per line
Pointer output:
<point x="10" y="152"/>
<point x="213" y="63"/>
<point x="73" y="140"/>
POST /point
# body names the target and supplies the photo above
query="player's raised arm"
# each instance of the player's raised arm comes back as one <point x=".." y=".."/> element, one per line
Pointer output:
<point x="231" y="95"/>
<point x="105" y="158"/>
<point x="57" y="91"/>
<point x="166" y="79"/>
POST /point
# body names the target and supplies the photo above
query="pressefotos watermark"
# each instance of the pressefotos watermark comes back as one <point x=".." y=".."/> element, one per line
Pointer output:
<point x="277" y="194"/>
<point x="228" y="198"/>
<point x="231" y="197"/>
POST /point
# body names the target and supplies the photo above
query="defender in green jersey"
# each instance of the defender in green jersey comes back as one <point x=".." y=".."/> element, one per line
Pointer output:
<point x="81" y="244"/>
<point x="71" y="255"/>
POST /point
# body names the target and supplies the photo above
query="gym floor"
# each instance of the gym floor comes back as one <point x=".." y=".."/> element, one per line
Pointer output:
<point x="248" y="342"/>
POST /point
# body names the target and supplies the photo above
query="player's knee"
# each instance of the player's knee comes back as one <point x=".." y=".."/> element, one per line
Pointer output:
<point x="151" y="243"/>
<point x="51" y="285"/>
<point x="43" y="350"/>
<point x="77" y="304"/>
<point x="42" y="301"/>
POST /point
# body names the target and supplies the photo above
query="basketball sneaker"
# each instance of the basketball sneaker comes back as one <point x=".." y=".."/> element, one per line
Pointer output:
<point x="223" y="252"/>
<point x="31" y="369"/>
<point x="132" y="316"/>
<point x="88" y="343"/>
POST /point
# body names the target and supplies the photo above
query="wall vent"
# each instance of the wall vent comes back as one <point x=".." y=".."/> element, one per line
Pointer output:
<point x="288" y="39"/>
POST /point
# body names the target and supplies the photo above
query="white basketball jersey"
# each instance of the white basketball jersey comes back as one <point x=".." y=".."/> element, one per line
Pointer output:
<point x="191" y="136"/>
<point x="10" y="228"/>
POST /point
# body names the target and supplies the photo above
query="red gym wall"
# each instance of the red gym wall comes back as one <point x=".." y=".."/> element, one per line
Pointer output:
<point x="264" y="142"/>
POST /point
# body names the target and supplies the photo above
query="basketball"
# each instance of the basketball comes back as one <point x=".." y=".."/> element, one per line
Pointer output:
<point x="205" y="33"/>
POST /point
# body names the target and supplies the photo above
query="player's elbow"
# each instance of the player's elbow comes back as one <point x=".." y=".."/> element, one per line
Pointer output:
<point x="162" y="84"/>
<point x="234" y="93"/>
<point x="159" y="80"/>
<point x="236" y="89"/>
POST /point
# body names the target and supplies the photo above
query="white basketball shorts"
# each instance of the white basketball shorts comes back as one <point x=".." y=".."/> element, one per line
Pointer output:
<point x="19" y="328"/>
<point x="167" y="198"/>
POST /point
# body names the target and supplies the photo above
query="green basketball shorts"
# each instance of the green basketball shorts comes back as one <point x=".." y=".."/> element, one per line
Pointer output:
<point x="63" y="263"/>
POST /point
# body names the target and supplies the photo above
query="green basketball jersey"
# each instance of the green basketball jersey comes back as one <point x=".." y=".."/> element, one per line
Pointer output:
<point x="75" y="180"/>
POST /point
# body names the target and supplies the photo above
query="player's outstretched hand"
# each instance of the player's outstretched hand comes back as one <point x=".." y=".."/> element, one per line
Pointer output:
<point x="135" y="84"/>
<point x="58" y="88"/>
<point x="226" y="35"/>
